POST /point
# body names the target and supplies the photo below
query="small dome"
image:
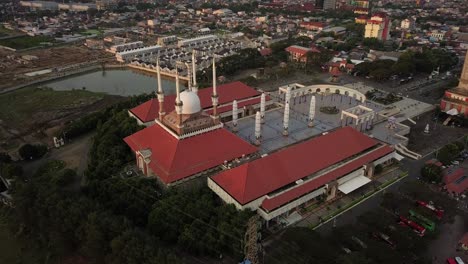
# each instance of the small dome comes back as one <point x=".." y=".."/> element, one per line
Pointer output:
<point x="190" y="101"/>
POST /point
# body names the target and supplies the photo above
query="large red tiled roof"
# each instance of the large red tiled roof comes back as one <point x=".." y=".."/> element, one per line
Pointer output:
<point x="458" y="185"/>
<point x="227" y="93"/>
<point x="173" y="159"/>
<point x="275" y="202"/>
<point x="262" y="176"/>
<point x="298" y="49"/>
<point x="451" y="175"/>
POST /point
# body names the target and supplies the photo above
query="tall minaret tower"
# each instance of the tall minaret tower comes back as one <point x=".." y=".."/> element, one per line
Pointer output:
<point x="234" y="116"/>
<point x="262" y="107"/>
<point x="214" y="96"/>
<point x="194" y="72"/>
<point x="463" y="84"/>
<point x="312" y="111"/>
<point x="286" y="112"/>
<point x="160" y="92"/>
<point x="178" y="102"/>
<point x="258" y="128"/>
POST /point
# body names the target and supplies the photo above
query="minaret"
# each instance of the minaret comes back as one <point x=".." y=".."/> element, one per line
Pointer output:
<point x="262" y="107"/>
<point x="463" y="84"/>
<point x="286" y="112"/>
<point x="258" y="127"/>
<point x="178" y="102"/>
<point x="194" y="72"/>
<point x="234" y="116"/>
<point x="312" y="111"/>
<point x="189" y="75"/>
<point x="214" y="96"/>
<point x="160" y="92"/>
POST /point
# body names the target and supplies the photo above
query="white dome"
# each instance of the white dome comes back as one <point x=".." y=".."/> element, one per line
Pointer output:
<point x="190" y="101"/>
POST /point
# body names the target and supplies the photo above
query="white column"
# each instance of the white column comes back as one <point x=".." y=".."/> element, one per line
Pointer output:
<point x="234" y="116"/>
<point x="194" y="72"/>
<point x="262" y="107"/>
<point x="312" y="111"/>
<point x="178" y="102"/>
<point x="189" y="75"/>
<point x="214" y="96"/>
<point x="160" y="92"/>
<point x="258" y="127"/>
<point x="286" y="113"/>
<point x="214" y="78"/>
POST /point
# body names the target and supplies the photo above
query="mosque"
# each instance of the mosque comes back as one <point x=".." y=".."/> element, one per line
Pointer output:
<point x="189" y="137"/>
<point x="455" y="101"/>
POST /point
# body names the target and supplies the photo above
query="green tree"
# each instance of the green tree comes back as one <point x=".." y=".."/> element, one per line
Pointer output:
<point x="431" y="173"/>
<point x="11" y="170"/>
<point x="5" y="157"/>
<point x="448" y="153"/>
<point x="30" y="152"/>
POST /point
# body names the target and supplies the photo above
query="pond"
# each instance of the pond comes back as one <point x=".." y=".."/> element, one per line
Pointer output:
<point x="114" y="82"/>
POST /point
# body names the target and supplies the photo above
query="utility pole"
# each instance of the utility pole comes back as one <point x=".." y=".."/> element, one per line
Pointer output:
<point x="253" y="248"/>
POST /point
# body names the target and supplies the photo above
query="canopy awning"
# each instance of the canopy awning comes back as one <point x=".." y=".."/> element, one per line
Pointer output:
<point x="398" y="156"/>
<point x="452" y="112"/>
<point x="353" y="184"/>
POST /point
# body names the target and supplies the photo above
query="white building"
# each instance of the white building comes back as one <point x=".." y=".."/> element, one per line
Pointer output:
<point x="40" y="5"/>
<point x="126" y="46"/>
<point x="196" y="41"/>
<point x="128" y="55"/>
<point x="378" y="26"/>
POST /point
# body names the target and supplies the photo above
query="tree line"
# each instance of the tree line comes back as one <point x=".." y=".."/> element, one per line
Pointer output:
<point x="113" y="219"/>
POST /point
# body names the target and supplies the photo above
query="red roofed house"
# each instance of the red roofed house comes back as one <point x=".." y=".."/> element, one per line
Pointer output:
<point x="342" y="65"/>
<point x="248" y="100"/>
<point x="298" y="53"/>
<point x="315" y="26"/>
<point x="276" y="185"/>
<point x="456" y="181"/>
<point x="186" y="142"/>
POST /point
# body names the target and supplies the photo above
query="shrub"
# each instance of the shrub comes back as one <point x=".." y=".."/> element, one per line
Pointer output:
<point x="431" y="173"/>
<point x="378" y="169"/>
<point x="31" y="152"/>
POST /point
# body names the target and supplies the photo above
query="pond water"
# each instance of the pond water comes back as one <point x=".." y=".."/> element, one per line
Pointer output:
<point x="115" y="82"/>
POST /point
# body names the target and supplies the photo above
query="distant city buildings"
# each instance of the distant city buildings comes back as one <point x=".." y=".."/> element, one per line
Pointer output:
<point x="378" y="26"/>
<point x="48" y="5"/>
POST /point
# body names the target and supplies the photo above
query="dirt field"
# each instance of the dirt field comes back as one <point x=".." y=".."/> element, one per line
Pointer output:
<point x="13" y="65"/>
<point x="36" y="115"/>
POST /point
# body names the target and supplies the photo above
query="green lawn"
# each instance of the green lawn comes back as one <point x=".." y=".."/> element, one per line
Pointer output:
<point x="23" y="105"/>
<point x="91" y="32"/>
<point x="25" y="42"/>
<point x="5" y="31"/>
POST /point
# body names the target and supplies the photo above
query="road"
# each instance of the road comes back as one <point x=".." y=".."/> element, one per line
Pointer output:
<point x="74" y="153"/>
<point x="412" y="166"/>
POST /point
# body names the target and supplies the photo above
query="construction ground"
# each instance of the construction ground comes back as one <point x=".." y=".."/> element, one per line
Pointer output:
<point x="14" y="65"/>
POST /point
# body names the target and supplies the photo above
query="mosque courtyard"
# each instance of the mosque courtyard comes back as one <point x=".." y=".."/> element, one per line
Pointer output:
<point x="272" y="137"/>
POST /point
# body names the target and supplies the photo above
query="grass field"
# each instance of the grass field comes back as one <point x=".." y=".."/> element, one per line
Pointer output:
<point x="5" y="31"/>
<point x="91" y="32"/>
<point x="25" y="105"/>
<point x="25" y="42"/>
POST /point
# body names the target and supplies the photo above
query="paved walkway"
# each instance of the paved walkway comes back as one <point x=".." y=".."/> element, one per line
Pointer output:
<point x="317" y="215"/>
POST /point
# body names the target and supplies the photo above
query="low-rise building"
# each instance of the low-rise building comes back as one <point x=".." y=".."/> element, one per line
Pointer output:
<point x="378" y="26"/>
<point x="320" y="168"/>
